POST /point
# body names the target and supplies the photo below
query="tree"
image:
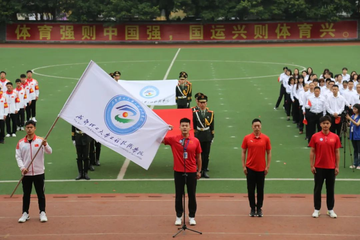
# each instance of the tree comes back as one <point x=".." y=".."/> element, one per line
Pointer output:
<point x="9" y="9"/>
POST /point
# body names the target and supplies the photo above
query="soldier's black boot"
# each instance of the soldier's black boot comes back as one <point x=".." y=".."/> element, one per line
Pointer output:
<point x="86" y="175"/>
<point x="80" y="170"/>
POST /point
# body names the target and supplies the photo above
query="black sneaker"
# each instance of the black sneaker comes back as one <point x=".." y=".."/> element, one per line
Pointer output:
<point x="259" y="212"/>
<point x="252" y="213"/>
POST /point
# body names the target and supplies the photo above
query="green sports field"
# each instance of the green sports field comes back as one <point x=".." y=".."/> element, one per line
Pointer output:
<point x="241" y="84"/>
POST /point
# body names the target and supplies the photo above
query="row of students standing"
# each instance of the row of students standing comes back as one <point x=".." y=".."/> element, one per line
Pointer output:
<point x="15" y="101"/>
<point x="308" y="98"/>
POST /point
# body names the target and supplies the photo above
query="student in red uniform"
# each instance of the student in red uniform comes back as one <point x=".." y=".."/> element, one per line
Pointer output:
<point x="324" y="162"/>
<point x="257" y="145"/>
<point x="185" y="149"/>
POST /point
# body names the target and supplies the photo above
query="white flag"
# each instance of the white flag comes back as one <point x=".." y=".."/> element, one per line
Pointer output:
<point x="158" y="92"/>
<point x="108" y="113"/>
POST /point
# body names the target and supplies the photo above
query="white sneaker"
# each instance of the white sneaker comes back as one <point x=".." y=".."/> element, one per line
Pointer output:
<point x="275" y="108"/>
<point x="22" y="129"/>
<point x="316" y="214"/>
<point x="43" y="217"/>
<point x="178" y="221"/>
<point x="192" y="221"/>
<point x="34" y="119"/>
<point x="13" y="135"/>
<point x="7" y="135"/>
<point x="352" y="166"/>
<point x="18" y="129"/>
<point x="332" y="214"/>
<point x="24" y="218"/>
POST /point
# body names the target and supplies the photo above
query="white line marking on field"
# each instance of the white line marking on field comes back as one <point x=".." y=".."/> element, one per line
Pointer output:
<point x="172" y="179"/>
<point x="144" y="61"/>
<point x="125" y="165"/>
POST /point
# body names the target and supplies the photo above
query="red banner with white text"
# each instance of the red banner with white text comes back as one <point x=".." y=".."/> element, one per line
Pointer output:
<point x="167" y="32"/>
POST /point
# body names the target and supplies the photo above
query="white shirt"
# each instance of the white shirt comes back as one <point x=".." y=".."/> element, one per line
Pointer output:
<point x="297" y="91"/>
<point x="285" y="80"/>
<point x="345" y="77"/>
<point x="35" y="86"/>
<point x="13" y="101"/>
<point x="22" y="97"/>
<point x="348" y="95"/>
<point x="306" y="79"/>
<point x="336" y="104"/>
<point x="318" y="104"/>
<point x="3" y="84"/>
<point x="30" y="93"/>
<point x="355" y="99"/>
<point x="281" y="77"/>
<point x="302" y="97"/>
<point x="4" y="108"/>
<point x="341" y="89"/>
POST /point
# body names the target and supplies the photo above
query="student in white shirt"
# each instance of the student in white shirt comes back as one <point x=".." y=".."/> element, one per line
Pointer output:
<point x="3" y="81"/>
<point x="355" y="79"/>
<point x="4" y="111"/>
<point x="289" y="96"/>
<point x="356" y="97"/>
<point x="283" y="76"/>
<point x="302" y="98"/>
<point x="298" y="87"/>
<point x="33" y="83"/>
<point x="22" y="105"/>
<point x="349" y="92"/>
<point x="338" y="80"/>
<point x="12" y="99"/>
<point x="344" y="87"/>
<point x="335" y="107"/>
<point x="322" y="84"/>
<point x="315" y="108"/>
<point x="345" y="75"/>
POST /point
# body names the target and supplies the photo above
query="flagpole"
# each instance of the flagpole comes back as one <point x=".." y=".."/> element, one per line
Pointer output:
<point x="47" y="135"/>
<point x="53" y="125"/>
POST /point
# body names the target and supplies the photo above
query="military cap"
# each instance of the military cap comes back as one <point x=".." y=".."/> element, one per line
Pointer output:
<point x="198" y="94"/>
<point x="117" y="73"/>
<point x="202" y="98"/>
<point x="183" y="75"/>
<point x="111" y="74"/>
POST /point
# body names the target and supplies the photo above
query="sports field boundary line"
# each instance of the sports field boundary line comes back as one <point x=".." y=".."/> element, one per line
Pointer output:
<point x="171" y="179"/>
<point x="170" y="233"/>
<point x="126" y="164"/>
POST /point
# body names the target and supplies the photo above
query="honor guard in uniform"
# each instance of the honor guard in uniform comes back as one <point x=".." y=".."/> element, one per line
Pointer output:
<point x="111" y="75"/>
<point x="95" y="148"/>
<point x="183" y="91"/>
<point x="197" y="107"/>
<point x="82" y="142"/>
<point x="203" y="120"/>
<point x="117" y="75"/>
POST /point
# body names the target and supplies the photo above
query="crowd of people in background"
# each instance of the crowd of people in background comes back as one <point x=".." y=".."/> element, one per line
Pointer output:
<point x="16" y="99"/>
<point x="308" y="97"/>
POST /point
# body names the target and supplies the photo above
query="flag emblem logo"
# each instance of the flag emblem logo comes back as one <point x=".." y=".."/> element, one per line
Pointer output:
<point x="149" y="92"/>
<point x="124" y="115"/>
